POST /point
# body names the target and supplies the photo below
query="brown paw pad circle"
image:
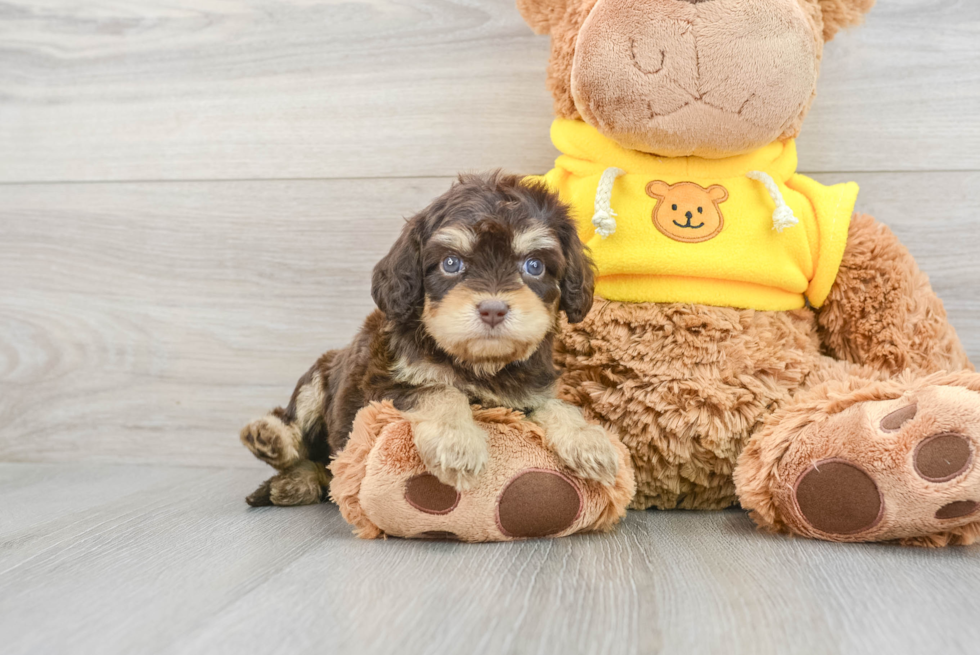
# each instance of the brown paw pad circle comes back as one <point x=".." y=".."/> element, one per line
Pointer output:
<point x="426" y="494"/>
<point x="894" y="421"/>
<point x="837" y="497"/>
<point x="538" y="503"/>
<point x="957" y="510"/>
<point x="942" y="457"/>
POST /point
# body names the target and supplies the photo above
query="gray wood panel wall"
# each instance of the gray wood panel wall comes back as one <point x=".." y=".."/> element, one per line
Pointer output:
<point x="193" y="192"/>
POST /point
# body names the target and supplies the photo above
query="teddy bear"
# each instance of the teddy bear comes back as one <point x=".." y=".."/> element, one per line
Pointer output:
<point x="754" y="340"/>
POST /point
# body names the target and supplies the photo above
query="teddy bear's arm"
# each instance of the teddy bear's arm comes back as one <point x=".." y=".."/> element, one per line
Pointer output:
<point x="881" y="310"/>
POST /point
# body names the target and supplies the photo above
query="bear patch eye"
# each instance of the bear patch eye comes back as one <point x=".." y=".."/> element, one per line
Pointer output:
<point x="534" y="267"/>
<point x="674" y="207"/>
<point x="700" y="211"/>
<point x="452" y="265"/>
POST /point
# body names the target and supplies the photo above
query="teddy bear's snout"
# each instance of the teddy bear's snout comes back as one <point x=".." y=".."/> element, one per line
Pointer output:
<point x="689" y="215"/>
<point x="654" y="76"/>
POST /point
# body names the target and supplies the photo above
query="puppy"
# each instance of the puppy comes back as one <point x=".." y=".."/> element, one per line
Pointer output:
<point x="469" y="299"/>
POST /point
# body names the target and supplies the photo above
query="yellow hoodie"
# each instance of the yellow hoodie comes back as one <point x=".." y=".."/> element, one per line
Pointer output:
<point x="746" y="231"/>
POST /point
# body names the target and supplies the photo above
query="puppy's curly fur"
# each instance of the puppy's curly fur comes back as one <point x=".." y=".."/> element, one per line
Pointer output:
<point x="469" y="299"/>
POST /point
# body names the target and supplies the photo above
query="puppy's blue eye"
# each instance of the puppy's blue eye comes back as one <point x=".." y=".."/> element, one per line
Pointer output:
<point x="452" y="264"/>
<point x="534" y="267"/>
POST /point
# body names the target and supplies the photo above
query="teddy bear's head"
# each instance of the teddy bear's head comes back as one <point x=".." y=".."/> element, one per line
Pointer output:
<point x="709" y="78"/>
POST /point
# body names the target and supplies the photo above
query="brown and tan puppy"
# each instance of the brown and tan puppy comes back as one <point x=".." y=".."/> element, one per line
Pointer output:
<point x="469" y="300"/>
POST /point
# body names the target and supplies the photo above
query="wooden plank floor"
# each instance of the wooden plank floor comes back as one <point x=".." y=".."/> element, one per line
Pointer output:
<point x="127" y="559"/>
<point x="192" y="195"/>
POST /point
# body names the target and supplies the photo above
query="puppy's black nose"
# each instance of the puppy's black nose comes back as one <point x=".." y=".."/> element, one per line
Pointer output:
<point x="493" y="312"/>
<point x="689" y="215"/>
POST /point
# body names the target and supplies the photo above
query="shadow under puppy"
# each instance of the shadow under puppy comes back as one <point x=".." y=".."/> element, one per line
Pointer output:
<point x="469" y="299"/>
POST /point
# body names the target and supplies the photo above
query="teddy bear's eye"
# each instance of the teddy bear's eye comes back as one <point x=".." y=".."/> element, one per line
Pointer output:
<point x="674" y="207"/>
<point x="700" y="211"/>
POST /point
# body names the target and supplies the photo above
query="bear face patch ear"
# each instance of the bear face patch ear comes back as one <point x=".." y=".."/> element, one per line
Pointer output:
<point x="838" y="14"/>
<point x="718" y="193"/>
<point x="659" y="190"/>
<point x="542" y="15"/>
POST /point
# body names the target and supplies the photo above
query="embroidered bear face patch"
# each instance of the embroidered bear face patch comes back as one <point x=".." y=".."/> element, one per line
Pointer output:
<point x="686" y="211"/>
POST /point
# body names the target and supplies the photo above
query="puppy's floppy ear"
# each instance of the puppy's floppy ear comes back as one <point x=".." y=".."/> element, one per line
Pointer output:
<point x="578" y="282"/>
<point x="397" y="285"/>
<point x="838" y="14"/>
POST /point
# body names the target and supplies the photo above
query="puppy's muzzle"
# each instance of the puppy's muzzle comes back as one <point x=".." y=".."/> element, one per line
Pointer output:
<point x="493" y="312"/>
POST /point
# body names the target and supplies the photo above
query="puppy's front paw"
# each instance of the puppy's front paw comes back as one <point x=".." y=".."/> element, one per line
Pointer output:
<point x="587" y="451"/>
<point x="456" y="454"/>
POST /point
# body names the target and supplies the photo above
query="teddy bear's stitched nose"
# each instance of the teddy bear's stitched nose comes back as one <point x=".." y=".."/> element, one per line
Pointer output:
<point x="694" y="2"/>
<point x="689" y="215"/>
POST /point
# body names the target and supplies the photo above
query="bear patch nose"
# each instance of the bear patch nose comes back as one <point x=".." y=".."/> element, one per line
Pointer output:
<point x="689" y="215"/>
<point x="493" y="312"/>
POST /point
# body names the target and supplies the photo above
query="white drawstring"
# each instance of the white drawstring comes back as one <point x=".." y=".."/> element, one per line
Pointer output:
<point x="783" y="217"/>
<point x="604" y="218"/>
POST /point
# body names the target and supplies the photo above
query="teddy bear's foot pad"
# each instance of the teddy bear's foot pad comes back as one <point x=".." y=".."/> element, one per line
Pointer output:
<point x="534" y="503"/>
<point x="837" y="497"/>
<point x="426" y="494"/>
<point x="888" y="469"/>
<point x="538" y="503"/>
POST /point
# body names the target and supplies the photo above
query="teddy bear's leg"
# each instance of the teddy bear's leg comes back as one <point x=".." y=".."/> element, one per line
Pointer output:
<point x="382" y="485"/>
<point x="861" y="455"/>
<point x="864" y="457"/>
<point x="882" y="312"/>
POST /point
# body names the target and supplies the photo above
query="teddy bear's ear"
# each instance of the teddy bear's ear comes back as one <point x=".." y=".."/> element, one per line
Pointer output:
<point x="542" y="15"/>
<point x="658" y="189"/>
<point x="718" y="193"/>
<point x="838" y="14"/>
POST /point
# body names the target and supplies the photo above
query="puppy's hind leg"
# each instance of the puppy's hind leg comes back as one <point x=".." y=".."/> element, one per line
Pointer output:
<point x="273" y="441"/>
<point x="306" y="483"/>
<point x="278" y="437"/>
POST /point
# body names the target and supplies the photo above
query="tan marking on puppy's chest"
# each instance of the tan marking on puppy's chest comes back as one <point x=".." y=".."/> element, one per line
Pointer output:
<point x="423" y="374"/>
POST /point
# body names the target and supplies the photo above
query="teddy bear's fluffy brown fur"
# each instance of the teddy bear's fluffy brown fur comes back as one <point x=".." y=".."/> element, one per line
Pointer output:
<point x="720" y="405"/>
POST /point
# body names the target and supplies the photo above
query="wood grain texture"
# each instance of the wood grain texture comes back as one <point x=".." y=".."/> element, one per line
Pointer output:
<point x="180" y="565"/>
<point x="149" y="322"/>
<point x="214" y="89"/>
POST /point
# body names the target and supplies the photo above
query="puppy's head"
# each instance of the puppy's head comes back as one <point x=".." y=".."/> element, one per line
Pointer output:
<point x="486" y="268"/>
